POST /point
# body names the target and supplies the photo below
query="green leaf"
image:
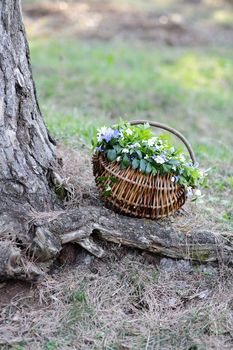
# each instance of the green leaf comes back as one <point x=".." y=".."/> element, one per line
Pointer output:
<point x="154" y="170"/>
<point x="166" y="168"/>
<point x="182" y="180"/>
<point x="173" y="162"/>
<point x="102" y="179"/>
<point x="121" y="143"/>
<point x="111" y="155"/>
<point x="135" y="163"/>
<point x="142" y="165"/>
<point x="118" y="148"/>
<point x="148" y="168"/>
<point x="107" y="193"/>
<point x="125" y="161"/>
<point x="139" y="153"/>
<point x="122" y="166"/>
<point x="113" y="179"/>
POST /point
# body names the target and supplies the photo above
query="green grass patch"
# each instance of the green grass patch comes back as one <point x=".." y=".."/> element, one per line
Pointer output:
<point x="189" y="88"/>
<point x="83" y="85"/>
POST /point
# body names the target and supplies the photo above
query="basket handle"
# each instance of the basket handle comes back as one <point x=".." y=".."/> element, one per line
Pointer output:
<point x="173" y="131"/>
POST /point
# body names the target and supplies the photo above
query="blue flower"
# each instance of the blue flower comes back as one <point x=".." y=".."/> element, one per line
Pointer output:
<point x="99" y="148"/>
<point x="108" y="136"/>
<point x="116" y="133"/>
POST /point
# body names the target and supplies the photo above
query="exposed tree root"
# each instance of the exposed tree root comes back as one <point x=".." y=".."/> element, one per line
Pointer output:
<point x="83" y="225"/>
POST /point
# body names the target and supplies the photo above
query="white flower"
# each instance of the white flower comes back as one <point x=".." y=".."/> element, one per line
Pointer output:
<point x="173" y="179"/>
<point x="125" y="150"/>
<point x="128" y="131"/>
<point x="108" y="188"/>
<point x="102" y="130"/>
<point x="172" y="149"/>
<point x="182" y="157"/>
<point x="146" y="156"/>
<point x="189" y="192"/>
<point x="197" y="193"/>
<point x="159" y="160"/>
<point x="99" y="137"/>
<point x="152" y="141"/>
<point x="118" y="159"/>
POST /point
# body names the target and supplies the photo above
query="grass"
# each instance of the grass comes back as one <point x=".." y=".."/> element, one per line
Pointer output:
<point x="188" y="88"/>
<point x="127" y="302"/>
<point x="83" y="85"/>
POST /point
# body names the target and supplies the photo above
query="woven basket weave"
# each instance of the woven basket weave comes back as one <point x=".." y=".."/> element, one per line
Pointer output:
<point x="136" y="194"/>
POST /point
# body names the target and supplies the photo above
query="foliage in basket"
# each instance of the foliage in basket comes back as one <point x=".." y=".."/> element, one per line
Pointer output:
<point x="138" y="147"/>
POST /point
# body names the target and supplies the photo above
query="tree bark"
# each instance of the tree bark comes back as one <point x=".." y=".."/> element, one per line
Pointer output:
<point x="162" y="237"/>
<point x="27" y="152"/>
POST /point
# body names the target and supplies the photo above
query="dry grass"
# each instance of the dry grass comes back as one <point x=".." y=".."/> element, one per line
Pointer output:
<point x="130" y="301"/>
<point x="77" y="175"/>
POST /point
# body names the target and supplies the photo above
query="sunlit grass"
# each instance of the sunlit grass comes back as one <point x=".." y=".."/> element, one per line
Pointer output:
<point x="224" y="17"/>
<point x="83" y="85"/>
<point x="189" y="88"/>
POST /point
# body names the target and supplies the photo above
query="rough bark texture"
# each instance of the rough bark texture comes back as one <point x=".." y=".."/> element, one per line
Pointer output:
<point x="26" y="150"/>
<point x="161" y="237"/>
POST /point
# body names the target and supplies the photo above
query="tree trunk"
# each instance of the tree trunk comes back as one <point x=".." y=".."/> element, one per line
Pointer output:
<point x="27" y="152"/>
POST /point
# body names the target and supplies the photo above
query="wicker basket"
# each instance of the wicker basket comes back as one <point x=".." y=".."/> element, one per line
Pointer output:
<point x="136" y="194"/>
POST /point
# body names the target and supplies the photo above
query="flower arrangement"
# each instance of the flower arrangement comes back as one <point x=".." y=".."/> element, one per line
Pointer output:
<point x="139" y="148"/>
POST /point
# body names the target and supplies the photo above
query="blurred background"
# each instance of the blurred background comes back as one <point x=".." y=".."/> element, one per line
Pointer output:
<point x="166" y="60"/>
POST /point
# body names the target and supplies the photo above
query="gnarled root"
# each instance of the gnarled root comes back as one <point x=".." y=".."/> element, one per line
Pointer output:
<point x="14" y="265"/>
